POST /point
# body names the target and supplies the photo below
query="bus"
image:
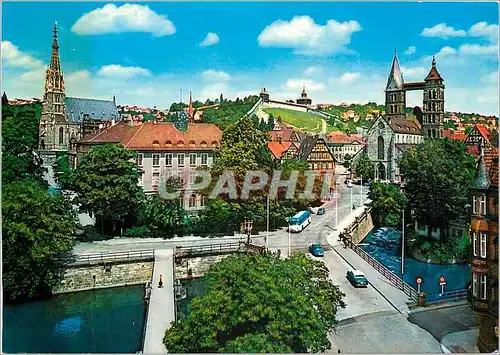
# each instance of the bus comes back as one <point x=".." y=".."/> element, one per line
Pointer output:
<point x="299" y="221"/>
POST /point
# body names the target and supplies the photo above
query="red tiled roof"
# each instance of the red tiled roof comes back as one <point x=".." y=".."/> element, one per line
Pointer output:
<point x="483" y="131"/>
<point x="342" y="138"/>
<point x="453" y="135"/>
<point x="285" y="133"/>
<point x="404" y="125"/>
<point x="278" y="148"/>
<point x="159" y="136"/>
<point x="491" y="162"/>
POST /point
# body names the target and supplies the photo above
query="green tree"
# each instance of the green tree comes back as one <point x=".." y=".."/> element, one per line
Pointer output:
<point x="105" y="182"/>
<point x="438" y="174"/>
<point x="347" y="160"/>
<point x="20" y="161"/>
<point x="387" y="204"/>
<point x="364" y="167"/>
<point x="164" y="218"/>
<point x="38" y="231"/>
<point x="260" y="303"/>
<point x="63" y="173"/>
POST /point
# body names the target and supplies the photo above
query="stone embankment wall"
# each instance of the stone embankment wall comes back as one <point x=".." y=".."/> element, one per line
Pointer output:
<point x="88" y="277"/>
<point x="195" y="267"/>
<point x="361" y="226"/>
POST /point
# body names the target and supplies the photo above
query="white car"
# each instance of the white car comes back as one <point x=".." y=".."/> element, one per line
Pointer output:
<point x="349" y="184"/>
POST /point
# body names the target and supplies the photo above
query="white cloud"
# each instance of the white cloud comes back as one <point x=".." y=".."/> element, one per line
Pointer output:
<point x="477" y="49"/>
<point x="446" y="51"/>
<point x="298" y="84"/>
<point x="213" y="91"/>
<point x="116" y="70"/>
<point x="210" y="39"/>
<point x="34" y="76"/>
<point x="313" y="70"/>
<point x="349" y="77"/>
<point x="483" y="30"/>
<point x="442" y="31"/>
<point x="13" y="57"/>
<point x="125" y="18"/>
<point x="491" y="78"/>
<point x="411" y="50"/>
<point x="414" y="72"/>
<point x="213" y="75"/>
<point x="308" y="38"/>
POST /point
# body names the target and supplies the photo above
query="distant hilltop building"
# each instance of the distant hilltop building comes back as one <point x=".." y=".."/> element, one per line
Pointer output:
<point x="65" y="120"/>
<point x="304" y="100"/>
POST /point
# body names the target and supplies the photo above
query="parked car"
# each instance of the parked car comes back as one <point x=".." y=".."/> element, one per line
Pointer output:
<point x="321" y="211"/>
<point x="367" y="183"/>
<point x="316" y="250"/>
<point x="357" y="278"/>
<point x="349" y="184"/>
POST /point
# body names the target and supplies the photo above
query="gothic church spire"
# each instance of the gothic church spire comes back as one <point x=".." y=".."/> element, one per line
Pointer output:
<point x="395" y="80"/>
<point x="54" y="80"/>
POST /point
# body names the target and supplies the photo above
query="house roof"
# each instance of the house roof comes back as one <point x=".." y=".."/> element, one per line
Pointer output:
<point x="306" y="147"/>
<point x="433" y="73"/>
<point x="403" y="125"/>
<point x="277" y="148"/>
<point x="395" y="79"/>
<point x="285" y="133"/>
<point x="343" y="138"/>
<point x="451" y="134"/>
<point x="491" y="163"/>
<point x="159" y="136"/>
<point x="77" y="107"/>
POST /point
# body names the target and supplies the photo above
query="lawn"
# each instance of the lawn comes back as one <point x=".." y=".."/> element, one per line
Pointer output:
<point x="302" y="120"/>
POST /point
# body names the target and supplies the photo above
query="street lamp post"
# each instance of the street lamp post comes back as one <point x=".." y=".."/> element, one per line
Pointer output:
<point x="403" y="245"/>
<point x="289" y="240"/>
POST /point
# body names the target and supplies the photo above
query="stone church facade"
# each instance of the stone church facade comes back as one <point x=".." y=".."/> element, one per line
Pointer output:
<point x="395" y="132"/>
<point x="65" y="120"/>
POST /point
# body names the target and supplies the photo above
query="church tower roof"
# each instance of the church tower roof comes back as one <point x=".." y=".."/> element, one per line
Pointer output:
<point x="433" y="73"/>
<point x="395" y="80"/>
<point x="55" y="63"/>
<point x="54" y="79"/>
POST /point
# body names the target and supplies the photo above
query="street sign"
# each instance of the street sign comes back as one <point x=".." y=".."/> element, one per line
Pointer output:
<point x="442" y="281"/>
<point x="419" y="280"/>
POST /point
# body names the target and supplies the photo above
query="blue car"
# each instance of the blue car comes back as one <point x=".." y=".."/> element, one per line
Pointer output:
<point x="316" y="250"/>
<point x="357" y="278"/>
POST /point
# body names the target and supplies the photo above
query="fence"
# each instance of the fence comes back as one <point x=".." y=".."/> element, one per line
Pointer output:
<point x="393" y="278"/>
<point x="191" y="251"/>
<point x="96" y="258"/>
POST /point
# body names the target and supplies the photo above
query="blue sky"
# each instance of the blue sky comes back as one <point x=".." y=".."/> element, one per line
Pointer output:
<point x="144" y="53"/>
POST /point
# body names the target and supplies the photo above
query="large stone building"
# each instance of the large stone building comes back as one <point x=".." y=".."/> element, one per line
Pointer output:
<point x="164" y="150"/>
<point x="345" y="145"/>
<point x="484" y="240"/>
<point x="394" y="133"/>
<point x="65" y="120"/>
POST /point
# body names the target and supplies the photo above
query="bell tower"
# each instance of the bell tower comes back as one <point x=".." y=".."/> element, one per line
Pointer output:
<point x="433" y="110"/>
<point x="395" y="95"/>
<point x="53" y="123"/>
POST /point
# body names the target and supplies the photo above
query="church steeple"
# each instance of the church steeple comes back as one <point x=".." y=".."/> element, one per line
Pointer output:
<point x="190" y="108"/>
<point x="54" y="79"/>
<point x="395" y="95"/>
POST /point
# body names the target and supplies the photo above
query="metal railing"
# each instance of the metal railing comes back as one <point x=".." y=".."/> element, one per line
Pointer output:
<point x="454" y="293"/>
<point x="190" y="251"/>
<point x="97" y="258"/>
<point x="388" y="274"/>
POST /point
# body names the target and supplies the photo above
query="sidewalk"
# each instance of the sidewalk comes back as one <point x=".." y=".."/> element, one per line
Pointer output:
<point x="461" y="342"/>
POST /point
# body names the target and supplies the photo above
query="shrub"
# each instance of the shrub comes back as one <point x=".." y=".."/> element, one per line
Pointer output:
<point x="92" y="234"/>
<point x="138" y="232"/>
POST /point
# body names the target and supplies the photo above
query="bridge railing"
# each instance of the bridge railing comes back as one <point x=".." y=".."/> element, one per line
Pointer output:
<point x="96" y="258"/>
<point x="388" y="274"/>
<point x="189" y="251"/>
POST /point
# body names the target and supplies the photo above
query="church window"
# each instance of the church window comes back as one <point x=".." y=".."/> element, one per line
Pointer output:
<point x="61" y="136"/>
<point x="380" y="147"/>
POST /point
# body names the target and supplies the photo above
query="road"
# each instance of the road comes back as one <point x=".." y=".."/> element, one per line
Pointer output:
<point x="316" y="232"/>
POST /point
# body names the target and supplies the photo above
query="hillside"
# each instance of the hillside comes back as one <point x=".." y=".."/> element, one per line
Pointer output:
<point x="302" y="120"/>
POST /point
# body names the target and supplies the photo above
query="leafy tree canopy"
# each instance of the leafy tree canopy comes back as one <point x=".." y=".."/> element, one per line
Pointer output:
<point x="260" y="303"/>
<point x="364" y="167"/>
<point x="38" y="231"/>
<point x="164" y="218"/>
<point x="20" y="161"/>
<point x="105" y="182"/>
<point x="438" y="174"/>
<point x="229" y="112"/>
<point x="387" y="204"/>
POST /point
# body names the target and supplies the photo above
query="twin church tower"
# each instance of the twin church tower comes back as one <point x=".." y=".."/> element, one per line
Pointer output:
<point x="433" y="98"/>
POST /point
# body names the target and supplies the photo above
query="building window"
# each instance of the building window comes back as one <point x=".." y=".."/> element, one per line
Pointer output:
<point x="482" y="291"/>
<point x="474" y="243"/>
<point x="192" y="159"/>
<point x="180" y="159"/>
<point x="380" y="148"/>
<point x="192" y="178"/>
<point x="156" y="159"/>
<point x="202" y="201"/>
<point x="204" y="159"/>
<point x="493" y="206"/>
<point x="155" y="181"/>
<point x="474" y="204"/>
<point x="482" y="205"/>
<point x="482" y="245"/>
<point x="61" y="136"/>
<point x="475" y="288"/>
<point x="192" y="201"/>
<point x="168" y="159"/>
<point x="139" y="159"/>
